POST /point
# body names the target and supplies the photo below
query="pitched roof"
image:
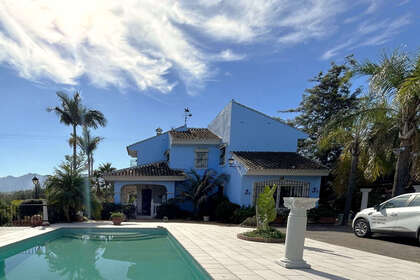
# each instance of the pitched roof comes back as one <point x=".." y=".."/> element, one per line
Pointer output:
<point x="147" y="170"/>
<point x="276" y="160"/>
<point x="194" y="134"/>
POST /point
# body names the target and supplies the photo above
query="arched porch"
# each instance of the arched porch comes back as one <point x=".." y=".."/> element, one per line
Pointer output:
<point x="145" y="196"/>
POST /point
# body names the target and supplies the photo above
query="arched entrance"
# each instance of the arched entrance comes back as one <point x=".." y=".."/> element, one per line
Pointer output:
<point x="144" y="197"/>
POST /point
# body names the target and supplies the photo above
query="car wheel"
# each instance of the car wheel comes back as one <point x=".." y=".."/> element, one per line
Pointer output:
<point x="418" y="237"/>
<point x="361" y="228"/>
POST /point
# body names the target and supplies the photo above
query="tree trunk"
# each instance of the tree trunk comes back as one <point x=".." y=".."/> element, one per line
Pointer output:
<point x="352" y="182"/>
<point x="74" y="149"/>
<point x="88" y="164"/>
<point x="402" y="169"/>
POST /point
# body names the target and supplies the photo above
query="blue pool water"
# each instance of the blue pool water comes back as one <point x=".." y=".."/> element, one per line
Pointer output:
<point x="99" y="254"/>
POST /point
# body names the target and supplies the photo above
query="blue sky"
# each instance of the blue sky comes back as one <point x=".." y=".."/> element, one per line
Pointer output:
<point x="142" y="62"/>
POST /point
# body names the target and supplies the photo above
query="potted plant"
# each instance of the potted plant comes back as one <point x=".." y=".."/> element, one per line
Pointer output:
<point x="117" y="218"/>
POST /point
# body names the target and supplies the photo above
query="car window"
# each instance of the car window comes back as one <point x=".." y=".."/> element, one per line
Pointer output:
<point x="415" y="202"/>
<point x="396" y="202"/>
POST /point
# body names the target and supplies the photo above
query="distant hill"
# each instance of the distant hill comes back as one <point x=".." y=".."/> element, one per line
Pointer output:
<point x="24" y="182"/>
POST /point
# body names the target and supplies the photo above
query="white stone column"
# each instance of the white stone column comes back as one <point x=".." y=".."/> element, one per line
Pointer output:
<point x="365" y="196"/>
<point x="296" y="228"/>
<point x="45" y="221"/>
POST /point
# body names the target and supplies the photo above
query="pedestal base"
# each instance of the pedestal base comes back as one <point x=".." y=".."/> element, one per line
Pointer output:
<point x="293" y="264"/>
<point x="45" y="223"/>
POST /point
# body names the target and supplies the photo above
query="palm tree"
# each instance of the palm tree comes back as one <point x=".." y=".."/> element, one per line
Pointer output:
<point x="106" y="168"/>
<point x="354" y="132"/>
<point x="199" y="187"/>
<point x="65" y="191"/>
<point x="73" y="113"/>
<point x="98" y="174"/>
<point x="88" y="144"/>
<point x="397" y="78"/>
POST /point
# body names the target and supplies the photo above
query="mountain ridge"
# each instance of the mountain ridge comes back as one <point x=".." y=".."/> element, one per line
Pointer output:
<point x="20" y="183"/>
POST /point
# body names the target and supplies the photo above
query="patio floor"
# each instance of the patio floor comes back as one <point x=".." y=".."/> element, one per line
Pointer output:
<point x="224" y="256"/>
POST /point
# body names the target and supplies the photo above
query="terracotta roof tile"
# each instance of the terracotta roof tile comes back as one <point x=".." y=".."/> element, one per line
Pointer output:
<point x="153" y="169"/>
<point x="276" y="160"/>
<point x="194" y="134"/>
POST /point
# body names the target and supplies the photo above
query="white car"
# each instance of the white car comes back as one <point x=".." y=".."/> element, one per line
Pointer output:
<point x="399" y="215"/>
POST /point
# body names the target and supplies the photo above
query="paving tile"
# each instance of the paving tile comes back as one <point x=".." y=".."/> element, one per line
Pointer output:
<point x="224" y="256"/>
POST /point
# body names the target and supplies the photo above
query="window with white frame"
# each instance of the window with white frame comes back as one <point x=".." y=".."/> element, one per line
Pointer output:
<point x="201" y="158"/>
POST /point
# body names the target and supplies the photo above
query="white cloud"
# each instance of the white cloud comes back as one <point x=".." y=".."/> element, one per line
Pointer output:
<point x="369" y="33"/>
<point x="148" y="43"/>
<point x="228" y="55"/>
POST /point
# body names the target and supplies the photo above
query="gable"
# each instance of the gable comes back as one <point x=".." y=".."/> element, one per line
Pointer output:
<point x="251" y="130"/>
<point x="221" y="124"/>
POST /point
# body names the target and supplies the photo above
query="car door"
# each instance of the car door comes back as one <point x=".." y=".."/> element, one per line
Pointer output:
<point x="385" y="218"/>
<point x="409" y="217"/>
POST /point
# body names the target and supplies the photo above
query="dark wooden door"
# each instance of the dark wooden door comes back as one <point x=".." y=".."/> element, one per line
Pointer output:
<point x="146" y="202"/>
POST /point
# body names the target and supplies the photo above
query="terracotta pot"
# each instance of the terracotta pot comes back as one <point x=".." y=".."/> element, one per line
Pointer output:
<point x="117" y="220"/>
<point x="36" y="220"/>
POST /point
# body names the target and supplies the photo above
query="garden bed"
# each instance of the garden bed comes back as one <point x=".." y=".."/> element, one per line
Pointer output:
<point x="270" y="236"/>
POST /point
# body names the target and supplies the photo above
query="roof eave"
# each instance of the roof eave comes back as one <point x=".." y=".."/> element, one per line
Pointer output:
<point x="287" y="172"/>
<point x="125" y="178"/>
<point x="193" y="142"/>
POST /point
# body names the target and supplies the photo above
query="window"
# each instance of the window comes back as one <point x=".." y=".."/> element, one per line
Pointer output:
<point x="285" y="188"/>
<point x="415" y="202"/>
<point x="222" y="155"/>
<point x="201" y="158"/>
<point x="397" y="202"/>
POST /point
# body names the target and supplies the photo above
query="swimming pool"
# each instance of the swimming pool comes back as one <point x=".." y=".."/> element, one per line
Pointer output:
<point x="99" y="254"/>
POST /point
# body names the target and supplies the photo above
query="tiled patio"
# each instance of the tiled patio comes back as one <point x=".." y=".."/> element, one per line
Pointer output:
<point x="224" y="256"/>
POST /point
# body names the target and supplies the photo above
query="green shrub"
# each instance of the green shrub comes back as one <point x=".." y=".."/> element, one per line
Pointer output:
<point x="5" y="214"/>
<point x="241" y="214"/>
<point x="107" y="208"/>
<point x="224" y="211"/>
<point x="117" y="215"/>
<point x="171" y="210"/>
<point x="250" y="222"/>
<point x="267" y="234"/>
<point x="96" y="207"/>
<point x="321" y="211"/>
<point x="266" y="208"/>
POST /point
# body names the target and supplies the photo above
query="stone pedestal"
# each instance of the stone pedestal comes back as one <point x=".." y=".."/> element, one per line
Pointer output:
<point x="296" y="227"/>
<point x="365" y="196"/>
<point x="45" y="221"/>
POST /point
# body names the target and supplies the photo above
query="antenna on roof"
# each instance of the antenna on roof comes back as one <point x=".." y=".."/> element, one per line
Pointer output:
<point x="187" y="115"/>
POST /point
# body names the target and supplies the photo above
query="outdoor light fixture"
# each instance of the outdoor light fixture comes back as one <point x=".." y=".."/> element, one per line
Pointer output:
<point x="231" y="162"/>
<point x="35" y="180"/>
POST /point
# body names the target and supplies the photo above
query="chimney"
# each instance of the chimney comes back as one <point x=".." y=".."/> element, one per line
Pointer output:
<point x="158" y="131"/>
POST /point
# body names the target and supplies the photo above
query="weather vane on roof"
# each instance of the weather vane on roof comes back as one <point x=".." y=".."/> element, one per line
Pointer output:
<point x="187" y="114"/>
